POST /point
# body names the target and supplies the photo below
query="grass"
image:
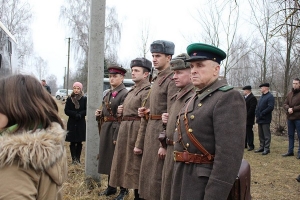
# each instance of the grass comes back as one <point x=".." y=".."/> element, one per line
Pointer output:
<point x="272" y="176"/>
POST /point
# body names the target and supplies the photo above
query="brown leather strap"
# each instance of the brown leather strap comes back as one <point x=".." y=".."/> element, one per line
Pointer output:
<point x="109" y="119"/>
<point x="133" y="118"/>
<point x="191" y="135"/>
<point x="169" y="142"/>
<point x="155" y="117"/>
<point x="188" y="158"/>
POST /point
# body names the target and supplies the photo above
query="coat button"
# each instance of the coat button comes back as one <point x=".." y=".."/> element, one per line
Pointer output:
<point x="190" y="130"/>
<point x="187" y="144"/>
<point x="192" y="116"/>
<point x="200" y="104"/>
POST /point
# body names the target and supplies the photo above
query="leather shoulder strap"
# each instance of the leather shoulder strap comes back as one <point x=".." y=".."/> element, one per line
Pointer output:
<point x="191" y="135"/>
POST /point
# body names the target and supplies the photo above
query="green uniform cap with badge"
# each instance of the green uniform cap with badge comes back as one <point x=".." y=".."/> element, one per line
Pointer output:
<point x="200" y="51"/>
<point x="179" y="62"/>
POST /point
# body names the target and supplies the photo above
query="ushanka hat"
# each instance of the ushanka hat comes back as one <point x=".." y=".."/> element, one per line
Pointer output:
<point x="162" y="46"/>
<point x="179" y="62"/>
<point x="200" y="51"/>
<point x="141" y="62"/>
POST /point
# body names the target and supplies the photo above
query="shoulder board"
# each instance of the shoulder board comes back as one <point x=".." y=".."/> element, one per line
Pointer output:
<point x="225" y="88"/>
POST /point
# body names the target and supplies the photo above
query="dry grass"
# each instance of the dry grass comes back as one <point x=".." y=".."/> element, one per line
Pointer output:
<point x="273" y="177"/>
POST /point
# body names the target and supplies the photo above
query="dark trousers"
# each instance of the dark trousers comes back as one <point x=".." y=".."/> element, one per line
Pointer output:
<point x="249" y="136"/>
<point x="292" y="126"/>
<point x="264" y="134"/>
<point x="75" y="149"/>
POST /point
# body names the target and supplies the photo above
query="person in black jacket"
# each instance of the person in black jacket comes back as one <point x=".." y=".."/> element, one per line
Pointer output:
<point x="76" y="110"/>
<point x="263" y="114"/>
<point x="47" y="87"/>
<point x="251" y="103"/>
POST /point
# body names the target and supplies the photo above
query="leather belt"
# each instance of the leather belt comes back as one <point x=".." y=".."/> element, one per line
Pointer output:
<point x="109" y="119"/>
<point x="155" y="117"/>
<point x="188" y="158"/>
<point x="169" y="142"/>
<point x="133" y="118"/>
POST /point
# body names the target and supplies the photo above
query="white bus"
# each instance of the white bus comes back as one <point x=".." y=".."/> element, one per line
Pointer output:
<point x="8" y="52"/>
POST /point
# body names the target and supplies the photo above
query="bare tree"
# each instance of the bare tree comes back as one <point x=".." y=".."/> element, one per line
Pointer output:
<point x="16" y="15"/>
<point x="76" y="15"/>
<point x="288" y="30"/>
<point x="52" y="82"/>
<point x="218" y="30"/>
<point x="41" y="67"/>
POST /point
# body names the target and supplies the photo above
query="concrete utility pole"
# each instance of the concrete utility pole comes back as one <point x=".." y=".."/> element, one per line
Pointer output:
<point x="67" y="85"/>
<point x="95" y="85"/>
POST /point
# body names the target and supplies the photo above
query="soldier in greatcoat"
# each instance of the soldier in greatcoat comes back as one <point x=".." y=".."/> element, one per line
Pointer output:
<point x="130" y="142"/>
<point x="215" y="117"/>
<point x="182" y="73"/>
<point x="162" y="89"/>
<point x="110" y="122"/>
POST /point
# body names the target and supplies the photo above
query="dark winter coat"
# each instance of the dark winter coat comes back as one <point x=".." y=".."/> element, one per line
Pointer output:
<point x="125" y="168"/>
<point x="264" y="109"/>
<point x="162" y="90"/>
<point x="180" y="98"/>
<point x="251" y="103"/>
<point x="217" y="119"/>
<point x="109" y="130"/>
<point x="76" y="125"/>
<point x="292" y="101"/>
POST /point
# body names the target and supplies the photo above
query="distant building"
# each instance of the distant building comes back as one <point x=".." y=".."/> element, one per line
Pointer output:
<point x="8" y="52"/>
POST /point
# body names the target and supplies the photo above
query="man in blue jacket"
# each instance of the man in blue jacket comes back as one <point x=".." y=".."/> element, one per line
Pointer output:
<point x="263" y="115"/>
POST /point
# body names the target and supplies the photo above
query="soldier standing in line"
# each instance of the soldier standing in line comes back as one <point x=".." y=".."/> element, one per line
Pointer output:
<point x="110" y="126"/>
<point x="162" y="89"/>
<point x="127" y="158"/>
<point x="210" y="135"/>
<point x="182" y="74"/>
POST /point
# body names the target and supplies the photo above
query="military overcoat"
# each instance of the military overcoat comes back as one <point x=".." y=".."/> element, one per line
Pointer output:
<point x="109" y="130"/>
<point x="180" y="98"/>
<point x="162" y="90"/>
<point x="217" y="118"/>
<point x="125" y="168"/>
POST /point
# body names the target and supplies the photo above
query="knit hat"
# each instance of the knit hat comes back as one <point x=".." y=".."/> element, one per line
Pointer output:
<point x="78" y="84"/>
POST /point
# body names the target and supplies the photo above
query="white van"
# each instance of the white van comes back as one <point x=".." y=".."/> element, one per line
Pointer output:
<point x="106" y="86"/>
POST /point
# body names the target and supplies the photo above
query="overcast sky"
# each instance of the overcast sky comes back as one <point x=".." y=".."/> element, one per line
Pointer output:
<point x="168" y="20"/>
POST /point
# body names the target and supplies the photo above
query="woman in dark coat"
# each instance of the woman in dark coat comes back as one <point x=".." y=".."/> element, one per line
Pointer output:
<point x="76" y="110"/>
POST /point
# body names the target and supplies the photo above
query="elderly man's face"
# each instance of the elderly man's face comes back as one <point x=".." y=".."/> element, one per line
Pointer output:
<point x="204" y="72"/>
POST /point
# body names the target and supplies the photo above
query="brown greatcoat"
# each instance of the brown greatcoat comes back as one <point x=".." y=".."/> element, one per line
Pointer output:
<point x="109" y="130"/>
<point x="125" y="168"/>
<point x="180" y="98"/>
<point x="217" y="118"/>
<point x="162" y="90"/>
<point x="33" y="165"/>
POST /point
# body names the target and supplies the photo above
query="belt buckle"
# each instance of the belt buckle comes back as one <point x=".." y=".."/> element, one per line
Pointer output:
<point x="105" y="119"/>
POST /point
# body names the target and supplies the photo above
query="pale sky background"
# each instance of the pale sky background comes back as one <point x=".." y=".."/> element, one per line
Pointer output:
<point x="168" y="20"/>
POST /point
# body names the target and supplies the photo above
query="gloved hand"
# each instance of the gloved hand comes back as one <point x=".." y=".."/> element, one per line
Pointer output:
<point x="78" y="116"/>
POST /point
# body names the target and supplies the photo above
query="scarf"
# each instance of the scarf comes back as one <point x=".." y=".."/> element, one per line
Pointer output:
<point x="75" y="98"/>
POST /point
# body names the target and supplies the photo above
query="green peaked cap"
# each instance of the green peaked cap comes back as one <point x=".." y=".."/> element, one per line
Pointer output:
<point x="200" y="51"/>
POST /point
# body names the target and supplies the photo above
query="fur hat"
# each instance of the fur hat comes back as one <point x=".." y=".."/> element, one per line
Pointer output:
<point x="179" y="62"/>
<point x="162" y="46"/>
<point x="78" y="84"/>
<point x="141" y="62"/>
